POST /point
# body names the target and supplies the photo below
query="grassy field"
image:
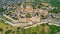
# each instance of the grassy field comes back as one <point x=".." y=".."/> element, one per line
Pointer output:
<point x="43" y="29"/>
<point x="39" y="29"/>
<point x="8" y="29"/>
<point x="54" y="29"/>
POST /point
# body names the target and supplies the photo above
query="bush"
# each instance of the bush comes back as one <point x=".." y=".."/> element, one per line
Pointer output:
<point x="34" y="32"/>
<point x="28" y="15"/>
<point x="1" y="29"/>
<point x="43" y="24"/>
<point x="7" y="32"/>
<point x="18" y="28"/>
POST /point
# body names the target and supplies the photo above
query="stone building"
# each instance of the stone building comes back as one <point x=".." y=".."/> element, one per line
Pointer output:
<point x="36" y="14"/>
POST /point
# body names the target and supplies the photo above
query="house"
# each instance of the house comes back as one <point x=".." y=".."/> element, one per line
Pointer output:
<point x="36" y="14"/>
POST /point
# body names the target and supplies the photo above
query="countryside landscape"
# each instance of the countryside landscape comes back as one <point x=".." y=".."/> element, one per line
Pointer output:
<point x="29" y="16"/>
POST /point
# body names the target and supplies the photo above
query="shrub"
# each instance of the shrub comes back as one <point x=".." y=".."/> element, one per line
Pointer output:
<point x="8" y="31"/>
<point x="1" y="29"/>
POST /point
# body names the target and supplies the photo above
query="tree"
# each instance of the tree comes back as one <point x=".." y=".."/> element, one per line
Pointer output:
<point x="43" y="24"/>
<point x="8" y="31"/>
<point x="1" y="29"/>
<point x="18" y="30"/>
<point x="19" y="3"/>
<point x="34" y="32"/>
<point x="28" y="15"/>
<point x="43" y="32"/>
<point x="2" y="9"/>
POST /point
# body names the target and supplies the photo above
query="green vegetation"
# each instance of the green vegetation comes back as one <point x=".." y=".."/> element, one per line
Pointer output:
<point x="42" y="32"/>
<point x="15" y="17"/>
<point x="54" y="29"/>
<point x="28" y="15"/>
<point x="1" y="29"/>
<point x="2" y="10"/>
<point x="42" y="29"/>
<point x="7" y="29"/>
<point x="4" y="17"/>
<point x="55" y="10"/>
<point x="18" y="30"/>
<point x="43" y="24"/>
<point x="1" y="21"/>
<point x="55" y="4"/>
<point x="39" y="29"/>
<point x="7" y="32"/>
